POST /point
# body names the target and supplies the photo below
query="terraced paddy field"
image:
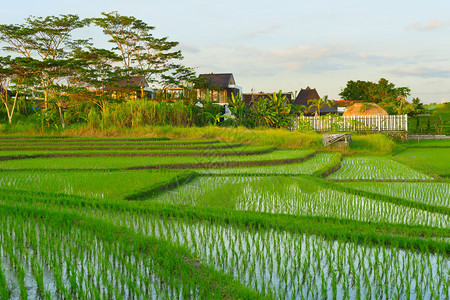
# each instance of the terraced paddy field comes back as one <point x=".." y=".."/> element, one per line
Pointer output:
<point x="144" y="218"/>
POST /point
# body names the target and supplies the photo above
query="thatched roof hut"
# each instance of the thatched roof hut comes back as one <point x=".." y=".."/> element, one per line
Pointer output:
<point x="364" y="109"/>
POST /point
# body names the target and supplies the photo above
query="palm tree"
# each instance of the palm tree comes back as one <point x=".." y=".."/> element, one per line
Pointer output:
<point x="300" y="109"/>
<point x="318" y="103"/>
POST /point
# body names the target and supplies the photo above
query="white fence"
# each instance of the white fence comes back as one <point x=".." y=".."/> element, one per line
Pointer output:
<point x="353" y="123"/>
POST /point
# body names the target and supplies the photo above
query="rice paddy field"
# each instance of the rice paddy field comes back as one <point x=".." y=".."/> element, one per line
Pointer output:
<point x="154" y="218"/>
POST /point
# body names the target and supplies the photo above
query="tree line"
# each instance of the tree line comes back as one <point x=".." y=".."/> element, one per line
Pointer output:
<point x="69" y="78"/>
<point x="47" y="62"/>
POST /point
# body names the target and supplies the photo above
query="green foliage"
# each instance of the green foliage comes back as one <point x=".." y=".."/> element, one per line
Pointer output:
<point x="239" y="109"/>
<point x="318" y="104"/>
<point x="438" y="121"/>
<point x="384" y="93"/>
<point x="367" y="91"/>
<point x="273" y="111"/>
<point x="69" y="73"/>
<point x="135" y="113"/>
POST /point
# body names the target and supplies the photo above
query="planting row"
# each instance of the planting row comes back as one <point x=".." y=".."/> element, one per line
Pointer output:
<point x="86" y="258"/>
<point x="375" y="167"/>
<point x="307" y="167"/>
<point x="283" y="162"/>
<point x="95" y="147"/>
<point x="289" y="266"/>
<point x="245" y="150"/>
<point x="296" y="196"/>
<point x="93" y="184"/>
<point x="433" y="193"/>
<point x="431" y="160"/>
<point x="126" y="162"/>
<point x="277" y="263"/>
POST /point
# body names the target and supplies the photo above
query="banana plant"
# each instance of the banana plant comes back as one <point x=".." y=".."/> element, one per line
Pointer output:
<point x="273" y="111"/>
<point x="238" y="108"/>
<point x="215" y="119"/>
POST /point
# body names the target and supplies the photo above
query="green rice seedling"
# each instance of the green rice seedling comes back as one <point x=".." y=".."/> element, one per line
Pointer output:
<point x="445" y="143"/>
<point x="434" y="193"/>
<point x="375" y="167"/>
<point x="430" y="160"/>
<point x="5" y="292"/>
<point x="38" y="275"/>
<point x="113" y="146"/>
<point x="246" y="227"/>
<point x="84" y="163"/>
<point x="308" y="166"/>
<point x="119" y="282"/>
<point x="295" y="196"/>
<point x="96" y="184"/>
<point x="158" y="152"/>
<point x="226" y="241"/>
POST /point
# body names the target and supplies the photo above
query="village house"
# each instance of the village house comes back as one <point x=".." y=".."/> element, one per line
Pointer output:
<point x="131" y="87"/>
<point x="308" y="94"/>
<point x="219" y="86"/>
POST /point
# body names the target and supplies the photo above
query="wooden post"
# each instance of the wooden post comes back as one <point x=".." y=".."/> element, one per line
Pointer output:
<point x="406" y="122"/>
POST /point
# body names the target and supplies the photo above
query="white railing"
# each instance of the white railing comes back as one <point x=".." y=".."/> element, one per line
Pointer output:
<point x="353" y="123"/>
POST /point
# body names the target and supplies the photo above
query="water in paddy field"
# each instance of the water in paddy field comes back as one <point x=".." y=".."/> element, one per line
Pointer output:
<point x="298" y="265"/>
<point x="80" y="270"/>
<point x="295" y="196"/>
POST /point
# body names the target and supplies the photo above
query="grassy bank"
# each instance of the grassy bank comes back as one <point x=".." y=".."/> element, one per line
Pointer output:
<point x="282" y="138"/>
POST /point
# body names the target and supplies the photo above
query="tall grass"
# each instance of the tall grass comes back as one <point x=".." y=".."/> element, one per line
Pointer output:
<point x="373" y="144"/>
<point x="138" y="113"/>
<point x="260" y="136"/>
<point x="378" y="144"/>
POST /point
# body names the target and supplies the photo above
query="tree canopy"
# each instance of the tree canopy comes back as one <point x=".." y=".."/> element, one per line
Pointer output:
<point x="55" y="66"/>
<point x="367" y="91"/>
<point x="384" y="93"/>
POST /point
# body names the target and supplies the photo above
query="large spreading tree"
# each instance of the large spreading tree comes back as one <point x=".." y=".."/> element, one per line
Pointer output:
<point x="384" y="93"/>
<point x="47" y="41"/>
<point x="59" y="68"/>
<point x="141" y="52"/>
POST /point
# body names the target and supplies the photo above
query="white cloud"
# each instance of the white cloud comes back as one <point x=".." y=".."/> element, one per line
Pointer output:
<point x="185" y="47"/>
<point x="308" y="58"/>
<point x="260" y="31"/>
<point x="327" y="57"/>
<point x="423" y="72"/>
<point x="433" y="24"/>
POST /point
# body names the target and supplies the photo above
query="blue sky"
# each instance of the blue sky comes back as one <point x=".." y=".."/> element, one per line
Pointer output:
<point x="288" y="44"/>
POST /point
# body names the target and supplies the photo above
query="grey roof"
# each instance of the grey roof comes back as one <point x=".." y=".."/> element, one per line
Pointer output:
<point x="223" y="80"/>
<point x="305" y="95"/>
<point x="127" y="84"/>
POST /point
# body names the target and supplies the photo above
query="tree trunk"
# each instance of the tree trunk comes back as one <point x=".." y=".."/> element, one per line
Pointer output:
<point x="61" y="116"/>
<point x="46" y="100"/>
<point x="10" y="112"/>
